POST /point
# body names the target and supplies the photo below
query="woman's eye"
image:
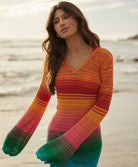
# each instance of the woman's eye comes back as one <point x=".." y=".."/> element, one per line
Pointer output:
<point x="67" y="16"/>
<point x="55" y="22"/>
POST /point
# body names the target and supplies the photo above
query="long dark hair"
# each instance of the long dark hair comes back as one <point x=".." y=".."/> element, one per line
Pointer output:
<point x="55" y="47"/>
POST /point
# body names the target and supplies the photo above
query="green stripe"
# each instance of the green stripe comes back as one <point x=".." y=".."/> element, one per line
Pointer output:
<point x="15" y="141"/>
<point x="66" y="141"/>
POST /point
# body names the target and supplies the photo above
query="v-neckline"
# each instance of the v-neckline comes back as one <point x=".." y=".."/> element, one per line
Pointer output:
<point x="81" y="66"/>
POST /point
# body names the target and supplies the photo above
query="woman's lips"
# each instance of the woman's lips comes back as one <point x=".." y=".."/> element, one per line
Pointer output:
<point x="65" y="29"/>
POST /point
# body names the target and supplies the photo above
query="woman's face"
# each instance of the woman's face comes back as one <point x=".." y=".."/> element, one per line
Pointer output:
<point x="64" y="24"/>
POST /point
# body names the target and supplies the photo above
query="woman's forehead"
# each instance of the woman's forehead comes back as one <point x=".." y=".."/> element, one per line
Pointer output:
<point x="59" y="13"/>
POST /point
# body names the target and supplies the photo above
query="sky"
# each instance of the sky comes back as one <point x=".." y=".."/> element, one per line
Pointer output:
<point x="110" y="19"/>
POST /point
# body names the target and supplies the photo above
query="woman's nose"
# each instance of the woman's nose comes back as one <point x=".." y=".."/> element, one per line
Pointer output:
<point x="61" y="22"/>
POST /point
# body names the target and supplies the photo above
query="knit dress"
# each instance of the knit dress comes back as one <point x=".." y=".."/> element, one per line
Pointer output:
<point x="83" y="99"/>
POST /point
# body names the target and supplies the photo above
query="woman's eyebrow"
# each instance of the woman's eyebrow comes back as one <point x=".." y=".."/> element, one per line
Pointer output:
<point x="61" y="16"/>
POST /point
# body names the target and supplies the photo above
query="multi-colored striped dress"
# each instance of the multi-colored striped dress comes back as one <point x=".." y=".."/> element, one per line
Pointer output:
<point x="83" y="99"/>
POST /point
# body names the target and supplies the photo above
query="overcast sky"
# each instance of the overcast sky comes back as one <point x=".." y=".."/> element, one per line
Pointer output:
<point x="110" y="19"/>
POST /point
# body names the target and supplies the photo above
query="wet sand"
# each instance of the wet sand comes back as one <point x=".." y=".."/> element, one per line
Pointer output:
<point x="119" y="133"/>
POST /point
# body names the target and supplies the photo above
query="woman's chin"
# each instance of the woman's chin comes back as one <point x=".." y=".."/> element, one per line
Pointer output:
<point x="67" y="36"/>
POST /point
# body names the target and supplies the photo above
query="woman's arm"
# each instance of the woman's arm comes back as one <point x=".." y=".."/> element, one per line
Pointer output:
<point x="18" y="137"/>
<point x="63" y="147"/>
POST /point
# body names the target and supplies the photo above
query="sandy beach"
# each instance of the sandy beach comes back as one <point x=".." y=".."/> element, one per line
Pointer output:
<point x="120" y="140"/>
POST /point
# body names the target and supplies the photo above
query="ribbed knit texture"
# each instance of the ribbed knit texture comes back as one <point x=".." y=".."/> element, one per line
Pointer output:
<point x="83" y="99"/>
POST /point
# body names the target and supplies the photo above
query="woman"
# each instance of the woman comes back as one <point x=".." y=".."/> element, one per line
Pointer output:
<point x="80" y="72"/>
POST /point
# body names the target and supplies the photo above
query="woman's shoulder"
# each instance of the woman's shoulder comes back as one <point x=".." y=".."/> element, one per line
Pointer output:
<point x="103" y="54"/>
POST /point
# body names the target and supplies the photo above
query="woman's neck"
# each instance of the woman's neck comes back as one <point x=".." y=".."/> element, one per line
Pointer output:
<point x="76" y="44"/>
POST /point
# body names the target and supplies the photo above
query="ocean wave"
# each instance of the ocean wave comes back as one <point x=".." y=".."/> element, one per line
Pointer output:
<point x="5" y="41"/>
<point x="13" y="74"/>
<point x="122" y="59"/>
<point x="20" y="43"/>
<point x="9" y="110"/>
<point x="129" y="70"/>
<point x="124" y="90"/>
<point x="134" y="42"/>
<point x="14" y="58"/>
<point x="20" y="46"/>
<point x="8" y="94"/>
<point x="18" y="92"/>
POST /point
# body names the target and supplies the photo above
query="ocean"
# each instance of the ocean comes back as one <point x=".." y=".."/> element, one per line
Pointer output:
<point x="21" y="66"/>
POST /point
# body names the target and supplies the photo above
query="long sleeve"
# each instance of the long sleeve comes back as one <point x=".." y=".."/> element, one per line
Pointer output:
<point x="66" y="144"/>
<point x="20" y="134"/>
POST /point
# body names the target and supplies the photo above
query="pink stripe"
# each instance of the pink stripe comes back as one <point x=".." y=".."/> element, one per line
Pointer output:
<point x="29" y="121"/>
